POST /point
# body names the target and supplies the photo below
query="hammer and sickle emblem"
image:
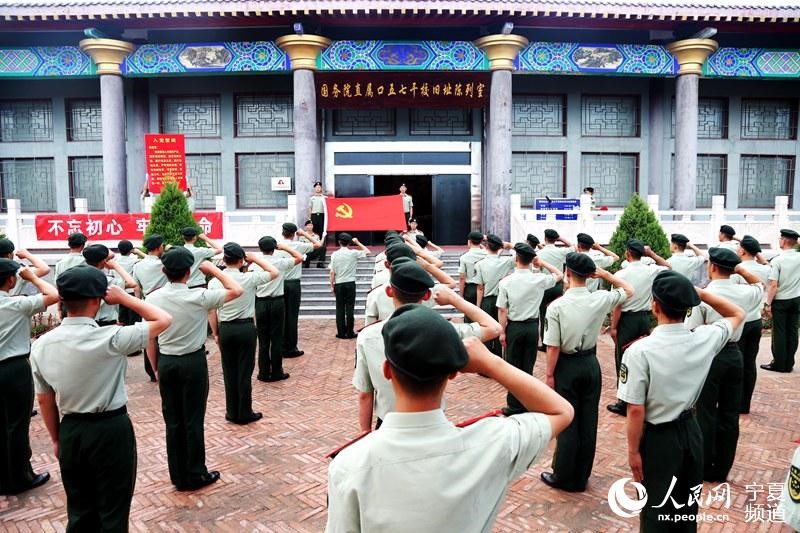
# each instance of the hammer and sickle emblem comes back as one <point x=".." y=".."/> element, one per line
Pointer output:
<point x="344" y="211"/>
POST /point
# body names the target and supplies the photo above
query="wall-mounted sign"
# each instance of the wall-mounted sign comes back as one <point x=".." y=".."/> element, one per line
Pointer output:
<point x="165" y="160"/>
<point x="112" y="226"/>
<point x="282" y="183"/>
<point x="402" y="89"/>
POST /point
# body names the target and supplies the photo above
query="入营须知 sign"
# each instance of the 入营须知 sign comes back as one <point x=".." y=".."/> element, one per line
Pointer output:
<point x="165" y="160"/>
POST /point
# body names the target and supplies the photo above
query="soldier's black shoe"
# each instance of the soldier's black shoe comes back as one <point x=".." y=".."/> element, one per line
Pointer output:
<point x="320" y="265"/>
<point x="618" y="408"/>
<point x="199" y="483"/>
<point x="276" y="377"/>
<point x="542" y="348"/>
<point x="551" y="480"/>
<point x="37" y="481"/>
<point x="774" y="368"/>
<point x="295" y="353"/>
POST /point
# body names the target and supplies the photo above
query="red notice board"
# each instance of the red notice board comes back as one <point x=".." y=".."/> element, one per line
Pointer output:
<point x="165" y="160"/>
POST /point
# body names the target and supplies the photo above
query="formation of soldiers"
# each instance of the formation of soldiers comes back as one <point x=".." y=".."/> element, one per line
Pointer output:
<point x="517" y="299"/>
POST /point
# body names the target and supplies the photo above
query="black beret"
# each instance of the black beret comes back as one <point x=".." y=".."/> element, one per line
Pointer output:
<point x="8" y="267"/>
<point x="151" y="242"/>
<point x="399" y="250"/>
<point x="727" y="230"/>
<point x="679" y="238"/>
<point x="125" y="247"/>
<point x="524" y="251"/>
<point x="317" y="183"/>
<point x="94" y="253"/>
<point x="391" y="234"/>
<point x="585" y="239"/>
<point x="289" y="227"/>
<point x="422" y="240"/>
<point x="723" y="257"/>
<point x="177" y="258"/>
<point x="307" y="222"/>
<point x="233" y="250"/>
<point x="475" y="236"/>
<point x="494" y="239"/>
<point x="590" y="189"/>
<point x="394" y="241"/>
<point x="580" y="264"/>
<point x="674" y="290"/>
<point x="345" y="238"/>
<point x="80" y="282"/>
<point x="635" y="245"/>
<point x="76" y="239"/>
<point x="750" y="245"/>
<point x="408" y="276"/>
<point x="532" y="239"/>
<point x="550" y="234"/>
<point x="412" y="219"/>
<point x="421" y="344"/>
<point x="267" y="243"/>
<point x="6" y="246"/>
<point x="790" y="234"/>
<point x="189" y="232"/>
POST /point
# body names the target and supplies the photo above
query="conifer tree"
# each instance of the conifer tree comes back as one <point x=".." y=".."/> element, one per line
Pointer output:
<point x="639" y="222"/>
<point x="170" y="214"/>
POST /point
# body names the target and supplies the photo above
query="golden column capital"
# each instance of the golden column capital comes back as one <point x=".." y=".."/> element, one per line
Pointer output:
<point x="108" y="54"/>
<point x="303" y="50"/>
<point x="691" y="54"/>
<point x="501" y="49"/>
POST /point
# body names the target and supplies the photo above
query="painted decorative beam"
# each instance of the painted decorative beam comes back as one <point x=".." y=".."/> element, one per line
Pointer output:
<point x="403" y="55"/>
<point x="578" y="58"/>
<point x="45" y="61"/>
<point x="204" y="58"/>
<point x="753" y="63"/>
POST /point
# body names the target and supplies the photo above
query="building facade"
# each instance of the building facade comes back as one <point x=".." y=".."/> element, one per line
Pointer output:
<point x="622" y="98"/>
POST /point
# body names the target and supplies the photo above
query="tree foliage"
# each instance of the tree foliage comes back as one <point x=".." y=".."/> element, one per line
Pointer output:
<point x="170" y="214"/>
<point x="639" y="222"/>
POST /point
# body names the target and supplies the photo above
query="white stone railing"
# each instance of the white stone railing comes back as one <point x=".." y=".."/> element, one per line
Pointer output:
<point x="244" y="226"/>
<point x="701" y="225"/>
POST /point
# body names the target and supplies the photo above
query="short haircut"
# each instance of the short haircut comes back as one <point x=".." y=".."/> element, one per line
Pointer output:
<point x="4" y="279"/>
<point x="287" y="234"/>
<point x="494" y="247"/>
<point x="417" y="388"/>
<point x="672" y="313"/>
<point x="76" y="306"/>
<point x="228" y="260"/>
<point x="582" y="246"/>
<point x="575" y="275"/>
<point x="175" y="275"/>
<point x="679" y="246"/>
<point x="407" y="297"/>
<point x="724" y="270"/>
<point x="634" y="254"/>
<point x="524" y="259"/>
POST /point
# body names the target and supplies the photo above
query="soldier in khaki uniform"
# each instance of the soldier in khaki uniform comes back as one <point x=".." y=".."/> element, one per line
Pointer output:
<point x="783" y="303"/>
<point x="200" y="253"/>
<point x="468" y="286"/>
<point x="727" y="238"/>
<point x="661" y="385"/>
<point x="430" y="247"/>
<point x="316" y="212"/>
<point x="309" y="227"/>
<point x="518" y="297"/>
<point x="683" y="263"/>
<point x="101" y="258"/>
<point x="182" y="369"/>
<point x="127" y="258"/>
<point x="556" y="256"/>
<point x="410" y="283"/>
<point x="488" y="273"/>
<point x="570" y="334"/>
<point x="344" y="262"/>
<point x="149" y="276"/>
<point x="750" y="253"/>
<point x="270" y="314"/>
<point x="235" y="331"/>
<point x="408" y="202"/>
<point x="16" y="384"/>
<point x="602" y="257"/>
<point x="631" y="320"/>
<point x="40" y="268"/>
<point x="720" y="401"/>
<point x="79" y="371"/>
<point x="419" y="472"/>
<point x="76" y="243"/>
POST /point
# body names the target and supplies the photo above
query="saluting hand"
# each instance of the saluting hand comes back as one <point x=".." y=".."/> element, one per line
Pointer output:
<point x="445" y="296"/>
<point x="27" y="274"/>
<point x="115" y="295"/>
<point x="479" y="357"/>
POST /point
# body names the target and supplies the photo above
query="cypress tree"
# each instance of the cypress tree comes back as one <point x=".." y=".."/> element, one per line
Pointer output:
<point x="638" y="222"/>
<point x="170" y="214"/>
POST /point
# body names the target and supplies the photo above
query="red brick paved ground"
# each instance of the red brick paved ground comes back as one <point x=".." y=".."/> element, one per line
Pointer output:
<point x="274" y="474"/>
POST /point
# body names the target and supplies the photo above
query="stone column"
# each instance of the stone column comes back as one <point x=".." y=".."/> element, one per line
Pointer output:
<point x="108" y="55"/>
<point x="303" y="51"/>
<point x="496" y="205"/>
<point x="655" y="171"/>
<point x="691" y="54"/>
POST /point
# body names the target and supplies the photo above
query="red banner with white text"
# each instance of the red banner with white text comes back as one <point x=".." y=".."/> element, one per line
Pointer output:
<point x="112" y="226"/>
<point x="374" y="213"/>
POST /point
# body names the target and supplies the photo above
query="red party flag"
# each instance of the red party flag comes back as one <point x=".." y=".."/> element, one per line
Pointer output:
<point x="373" y="213"/>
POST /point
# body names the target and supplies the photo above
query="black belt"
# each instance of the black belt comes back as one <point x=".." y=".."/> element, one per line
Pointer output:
<point x="470" y="283"/>
<point x="291" y="281"/>
<point x="201" y="286"/>
<point x="269" y="297"/>
<point x="582" y="353"/>
<point x="685" y="415"/>
<point x="202" y="350"/>
<point x="104" y="323"/>
<point x="14" y="357"/>
<point x="636" y="313"/>
<point x="97" y="416"/>
<point x="237" y="321"/>
<point x="528" y="321"/>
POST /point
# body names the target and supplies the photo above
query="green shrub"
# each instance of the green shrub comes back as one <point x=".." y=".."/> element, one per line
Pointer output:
<point x="638" y="222"/>
<point x="170" y="215"/>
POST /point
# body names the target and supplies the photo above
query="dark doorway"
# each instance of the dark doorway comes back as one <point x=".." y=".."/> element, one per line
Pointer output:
<point x="419" y="187"/>
<point x="452" y="205"/>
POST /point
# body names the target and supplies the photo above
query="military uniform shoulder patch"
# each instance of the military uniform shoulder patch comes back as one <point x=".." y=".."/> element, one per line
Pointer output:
<point x="793" y="484"/>
<point x="689" y="311"/>
<point x="623" y="373"/>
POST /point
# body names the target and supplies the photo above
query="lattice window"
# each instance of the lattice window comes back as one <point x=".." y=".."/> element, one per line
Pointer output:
<point x="610" y="116"/>
<point x="762" y="178"/>
<point x="769" y="119"/>
<point x="26" y="120"/>
<point x="84" y="120"/>
<point x="441" y="122"/>
<point x="615" y="177"/>
<point x="712" y="118"/>
<point x="254" y="173"/>
<point x="194" y="116"/>
<point x="539" y="115"/>
<point x="203" y="173"/>
<point x="364" y="122"/>
<point x="86" y="181"/>
<point x="712" y="177"/>
<point x="264" y="116"/>
<point x="538" y="174"/>
<point x="31" y="181"/>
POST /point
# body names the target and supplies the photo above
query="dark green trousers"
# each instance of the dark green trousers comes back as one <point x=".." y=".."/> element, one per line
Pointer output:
<point x="97" y="458"/>
<point x="237" y="346"/>
<point x="16" y="404"/>
<point x="269" y="326"/>
<point x="718" y="412"/>
<point x="291" y="302"/>
<point x="127" y="316"/>
<point x="470" y="295"/>
<point x="631" y="326"/>
<point x="748" y="345"/>
<point x="578" y="380"/>
<point x="522" y="338"/>
<point x="148" y="368"/>
<point x="183" y="383"/>
<point x="785" y="321"/>
<point x="345" y="308"/>
<point x="318" y="219"/>
<point x="550" y="295"/>
<point x="489" y="305"/>
<point x="671" y="449"/>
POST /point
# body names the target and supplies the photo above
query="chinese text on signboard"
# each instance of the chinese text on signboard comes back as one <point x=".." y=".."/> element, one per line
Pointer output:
<point x="165" y="160"/>
<point x="112" y="226"/>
